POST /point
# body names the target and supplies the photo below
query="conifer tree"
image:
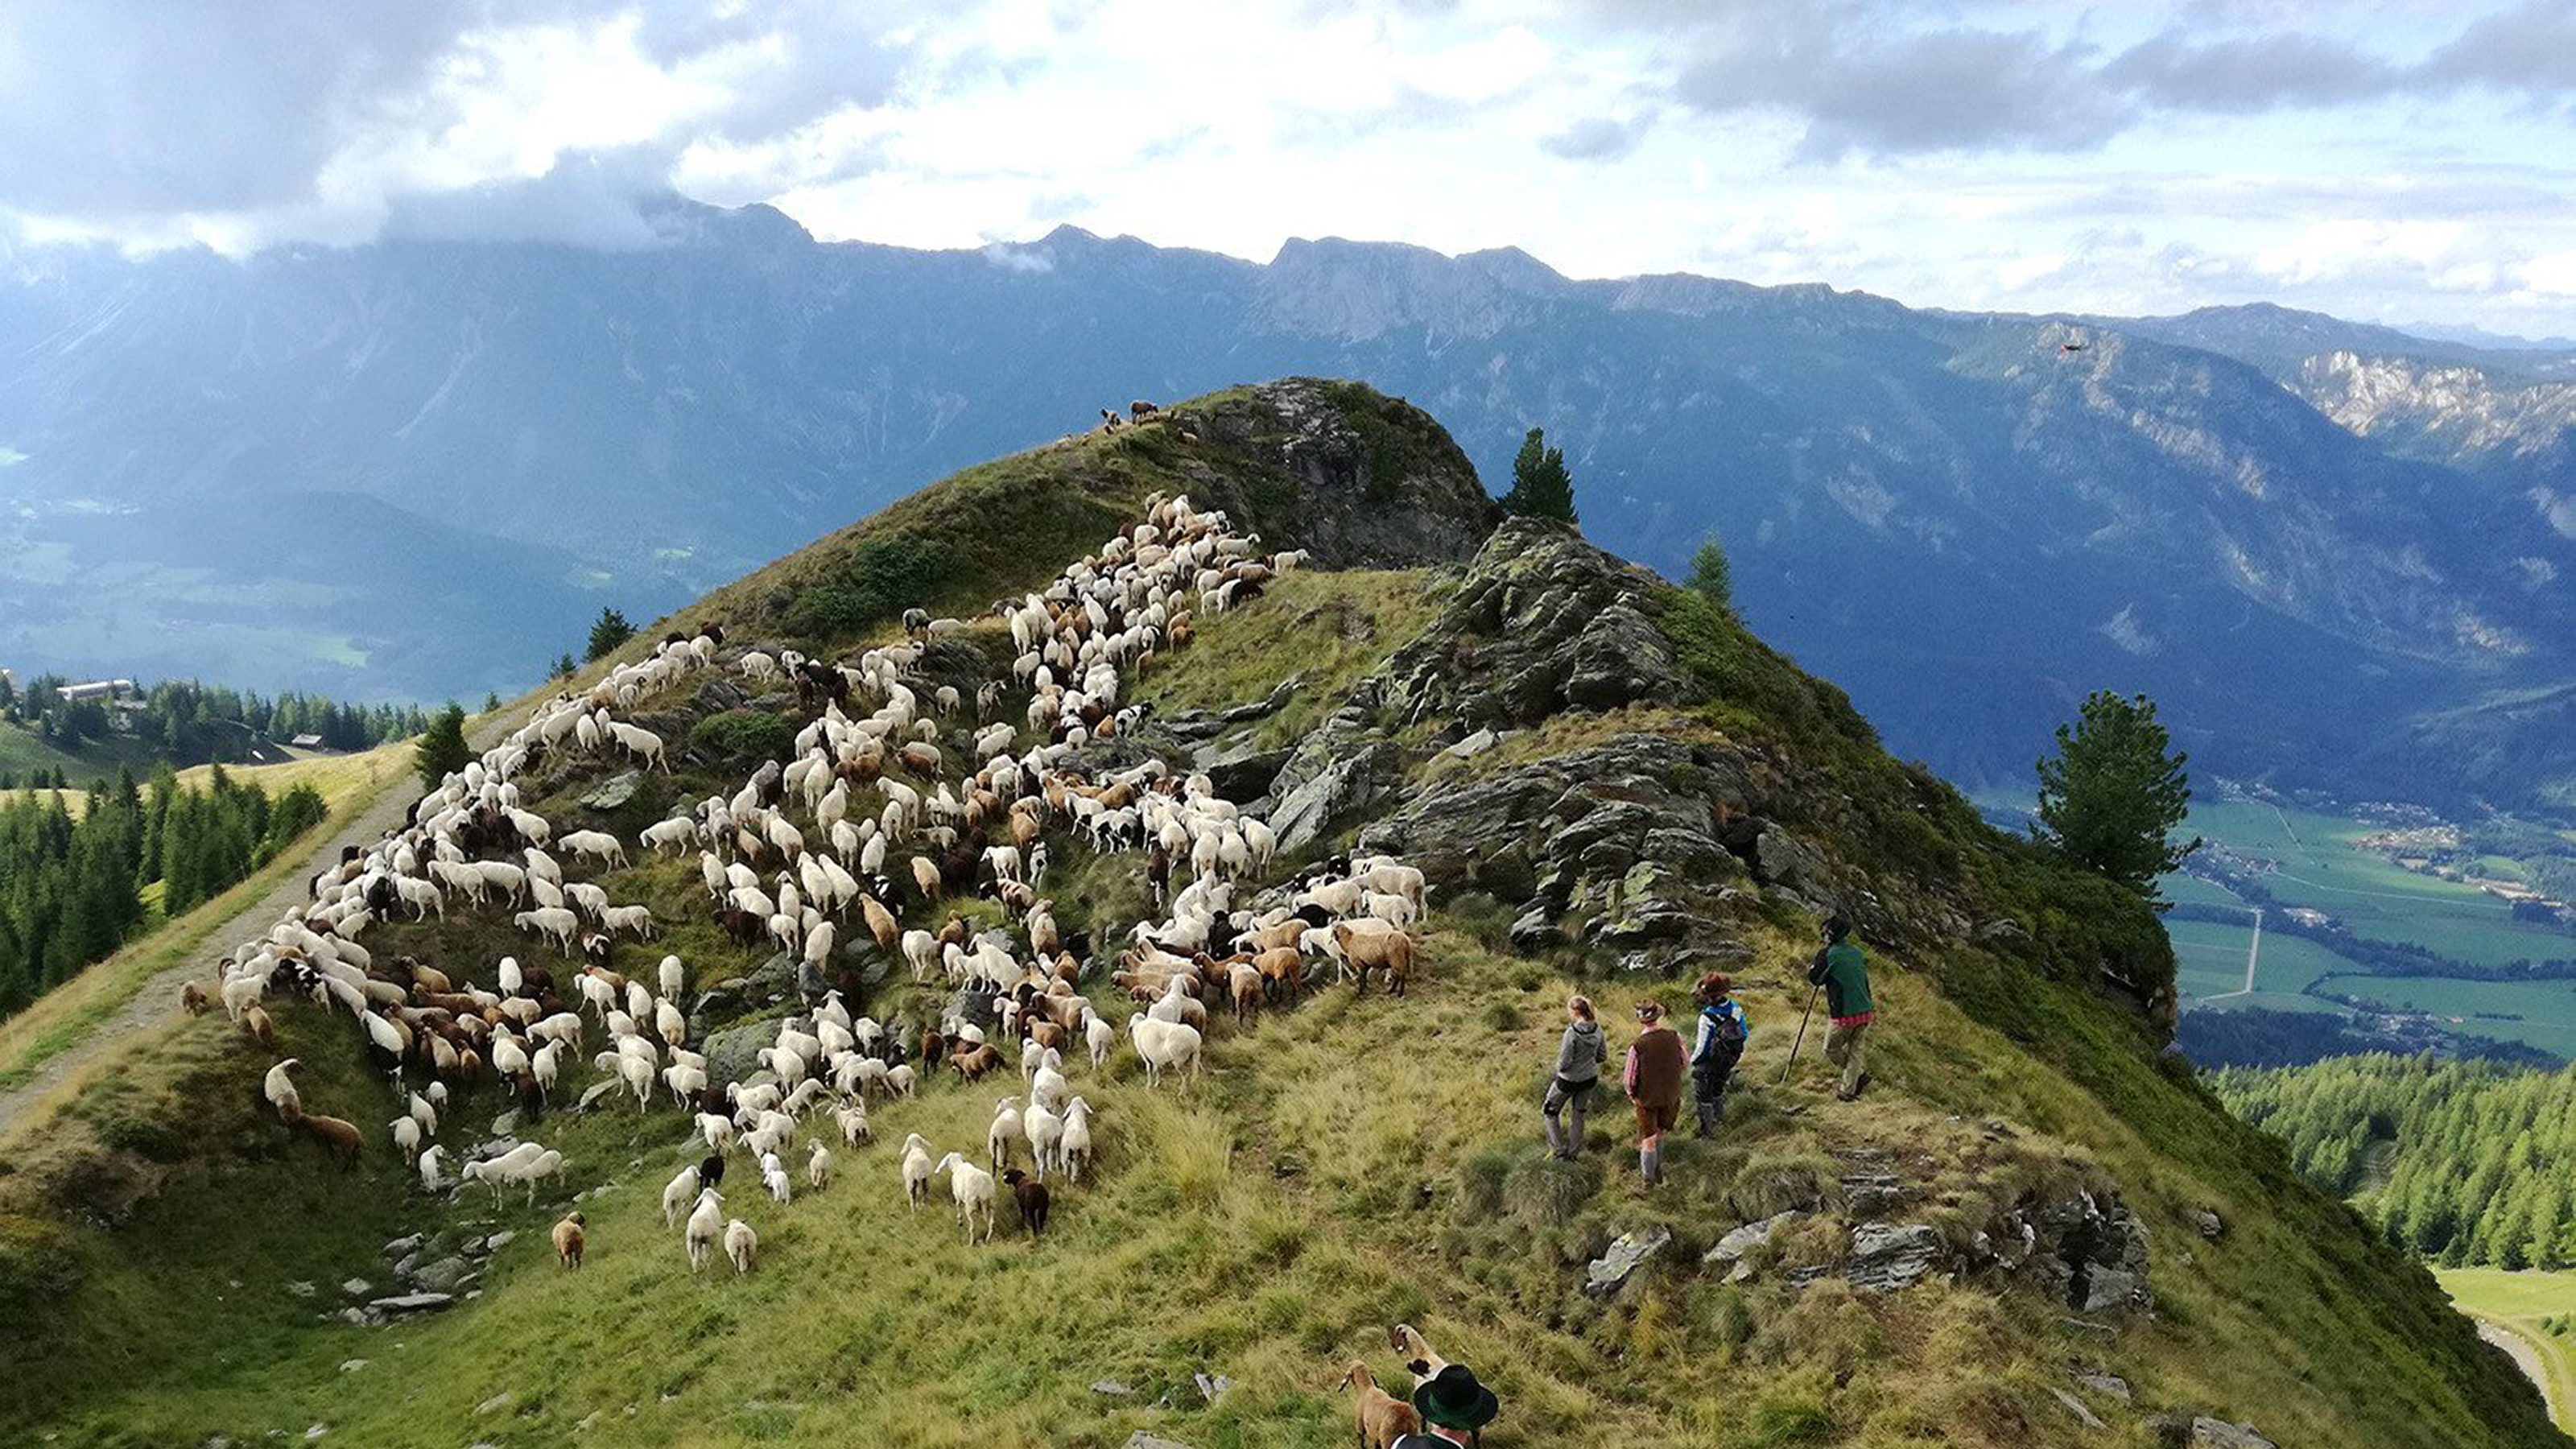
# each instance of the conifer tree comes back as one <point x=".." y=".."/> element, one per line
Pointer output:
<point x="2112" y="797"/>
<point x="442" y="749"/>
<point x="1541" y="486"/>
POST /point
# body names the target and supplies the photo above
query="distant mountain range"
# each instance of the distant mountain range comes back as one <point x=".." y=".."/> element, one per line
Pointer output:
<point x="2341" y="555"/>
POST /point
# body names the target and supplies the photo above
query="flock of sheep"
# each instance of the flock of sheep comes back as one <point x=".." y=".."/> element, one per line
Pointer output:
<point x="864" y="818"/>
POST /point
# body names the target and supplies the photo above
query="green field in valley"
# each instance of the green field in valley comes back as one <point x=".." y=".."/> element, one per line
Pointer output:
<point x="2314" y="860"/>
<point x="2539" y="1308"/>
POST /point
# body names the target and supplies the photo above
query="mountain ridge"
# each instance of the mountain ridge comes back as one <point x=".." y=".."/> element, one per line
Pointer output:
<point x="2034" y="1221"/>
<point x="722" y="399"/>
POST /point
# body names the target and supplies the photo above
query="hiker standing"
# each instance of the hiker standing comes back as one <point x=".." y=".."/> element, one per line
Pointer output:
<point x="1840" y="969"/>
<point x="1653" y="1077"/>
<point x="1720" y="1044"/>
<point x="1579" y="1058"/>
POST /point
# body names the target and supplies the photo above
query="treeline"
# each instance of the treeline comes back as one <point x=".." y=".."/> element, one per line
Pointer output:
<point x="2377" y="957"/>
<point x="187" y="723"/>
<point x="2483" y="1163"/>
<point x="72" y="889"/>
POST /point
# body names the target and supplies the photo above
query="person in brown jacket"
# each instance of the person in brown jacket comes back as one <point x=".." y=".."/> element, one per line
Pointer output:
<point x="1653" y="1076"/>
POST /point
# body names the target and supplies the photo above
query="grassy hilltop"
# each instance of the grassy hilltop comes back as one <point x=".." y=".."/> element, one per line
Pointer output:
<point x="171" y="1264"/>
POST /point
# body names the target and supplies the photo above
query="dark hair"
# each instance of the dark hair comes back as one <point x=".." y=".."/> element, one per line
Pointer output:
<point x="1836" y="928"/>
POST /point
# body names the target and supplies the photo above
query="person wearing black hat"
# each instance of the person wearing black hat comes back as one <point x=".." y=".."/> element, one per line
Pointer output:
<point x="1453" y="1406"/>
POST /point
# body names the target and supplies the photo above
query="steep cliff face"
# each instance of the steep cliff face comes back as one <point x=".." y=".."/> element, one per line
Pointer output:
<point x="2033" y="1228"/>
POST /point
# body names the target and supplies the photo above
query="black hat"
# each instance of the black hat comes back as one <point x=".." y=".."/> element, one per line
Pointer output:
<point x="1454" y="1400"/>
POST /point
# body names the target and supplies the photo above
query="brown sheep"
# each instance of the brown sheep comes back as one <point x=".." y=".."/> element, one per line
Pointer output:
<point x="881" y="923"/>
<point x="569" y="1240"/>
<point x="1248" y="985"/>
<point x="256" y="1025"/>
<point x="925" y="879"/>
<point x="1387" y="951"/>
<point x="192" y="999"/>
<point x="334" y="1134"/>
<point x="1282" y="968"/>
<point x="974" y="1061"/>
<point x="1383" y="1419"/>
<point x="1044" y="1033"/>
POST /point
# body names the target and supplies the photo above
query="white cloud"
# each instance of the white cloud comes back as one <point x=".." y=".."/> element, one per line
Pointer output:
<point x="2385" y="161"/>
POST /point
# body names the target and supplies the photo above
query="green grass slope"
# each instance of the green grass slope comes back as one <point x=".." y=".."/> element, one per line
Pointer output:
<point x="170" y="1262"/>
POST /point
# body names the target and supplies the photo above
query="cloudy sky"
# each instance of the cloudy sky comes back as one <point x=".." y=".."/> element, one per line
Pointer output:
<point x="2405" y="161"/>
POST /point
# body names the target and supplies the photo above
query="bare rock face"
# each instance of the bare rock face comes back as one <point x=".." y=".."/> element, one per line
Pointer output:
<point x="1543" y="623"/>
<point x="1377" y="483"/>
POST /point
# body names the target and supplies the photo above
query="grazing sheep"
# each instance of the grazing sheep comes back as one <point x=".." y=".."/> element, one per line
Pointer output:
<point x="407" y="1138"/>
<point x="1073" y="1148"/>
<point x="705" y="1224"/>
<point x="682" y="1191"/>
<point x="1032" y="1198"/>
<point x="335" y="1135"/>
<point x="741" y="1245"/>
<point x="192" y="998"/>
<point x="1419" y="1360"/>
<point x="773" y="1176"/>
<point x="568" y="1240"/>
<point x="1388" y="951"/>
<point x="917" y="1169"/>
<point x="1163" y="1046"/>
<point x="256" y="1025"/>
<point x="1045" y="1131"/>
<point x="1383" y="1419"/>
<point x="972" y="1187"/>
<point x="430" y="1180"/>
<point x="818" y="1166"/>
<point x="279" y="1087"/>
<point x="853" y="1120"/>
<point x="1006" y="1126"/>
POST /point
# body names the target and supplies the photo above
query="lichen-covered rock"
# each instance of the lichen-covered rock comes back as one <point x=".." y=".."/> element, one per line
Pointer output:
<point x="1604" y="1275"/>
<point x="1889" y="1256"/>
<point x="2209" y="1433"/>
<point x="1543" y="623"/>
<point x="619" y="791"/>
<point x="1733" y="1247"/>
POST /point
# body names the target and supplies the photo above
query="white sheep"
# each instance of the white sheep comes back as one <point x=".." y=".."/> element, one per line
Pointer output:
<point x="1006" y="1126"/>
<point x="682" y="1191"/>
<point x="818" y="1166"/>
<point x="1045" y="1131"/>
<point x="972" y="1187"/>
<point x="1073" y="1149"/>
<point x="1164" y="1045"/>
<point x="704" y="1225"/>
<point x="917" y="1168"/>
<point x="430" y="1157"/>
<point x="279" y="1087"/>
<point x="774" y="1177"/>
<point x="853" y="1120"/>
<point x="742" y="1245"/>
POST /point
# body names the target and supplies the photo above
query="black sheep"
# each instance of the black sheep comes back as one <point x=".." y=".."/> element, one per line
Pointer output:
<point x="1033" y="1200"/>
<point x="711" y="1171"/>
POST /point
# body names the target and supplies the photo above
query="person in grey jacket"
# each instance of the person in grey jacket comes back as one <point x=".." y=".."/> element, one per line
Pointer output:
<point x="1579" y="1058"/>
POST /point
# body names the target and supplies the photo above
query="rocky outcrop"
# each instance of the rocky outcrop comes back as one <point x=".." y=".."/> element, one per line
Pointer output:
<point x="1623" y="842"/>
<point x="1376" y="483"/>
<point x="1544" y="623"/>
<point x="2085" y="1250"/>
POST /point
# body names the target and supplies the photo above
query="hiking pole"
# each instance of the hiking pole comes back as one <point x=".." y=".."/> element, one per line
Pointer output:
<point x="1802" y="1034"/>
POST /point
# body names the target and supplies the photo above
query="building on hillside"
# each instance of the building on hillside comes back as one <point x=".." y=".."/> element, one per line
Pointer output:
<point x="305" y="742"/>
<point x="98" y="689"/>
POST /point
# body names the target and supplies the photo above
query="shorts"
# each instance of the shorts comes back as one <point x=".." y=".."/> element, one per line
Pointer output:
<point x="1657" y="1117"/>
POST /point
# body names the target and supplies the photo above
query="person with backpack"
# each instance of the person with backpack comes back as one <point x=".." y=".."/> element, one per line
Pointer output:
<point x="1720" y="1045"/>
<point x="1580" y="1054"/>
<point x="1653" y="1077"/>
<point x="1841" y="970"/>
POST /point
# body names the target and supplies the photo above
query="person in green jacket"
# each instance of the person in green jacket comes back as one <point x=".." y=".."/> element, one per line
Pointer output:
<point x="1841" y="970"/>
